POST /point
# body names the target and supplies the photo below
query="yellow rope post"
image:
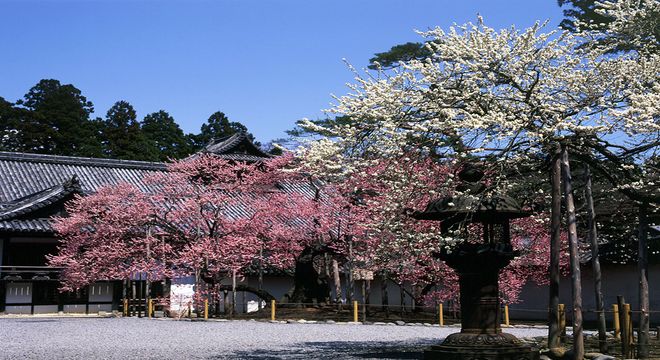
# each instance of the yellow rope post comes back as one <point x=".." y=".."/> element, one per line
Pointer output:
<point x="626" y="331"/>
<point x="629" y="324"/>
<point x="272" y="309"/>
<point x="355" y="311"/>
<point x="441" y="318"/>
<point x="125" y="307"/>
<point x="150" y="308"/>
<point x="562" y="321"/>
<point x="206" y="309"/>
<point x="617" y="326"/>
<point x="506" y="314"/>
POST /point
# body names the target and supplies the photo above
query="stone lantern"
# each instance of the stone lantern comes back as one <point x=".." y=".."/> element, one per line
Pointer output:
<point x="478" y="265"/>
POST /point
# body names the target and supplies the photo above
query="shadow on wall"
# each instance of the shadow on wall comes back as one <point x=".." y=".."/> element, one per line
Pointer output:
<point x="342" y="350"/>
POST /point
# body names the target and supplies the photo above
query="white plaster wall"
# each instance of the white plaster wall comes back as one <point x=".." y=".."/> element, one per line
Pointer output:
<point x="18" y="309"/>
<point x="18" y="293"/>
<point x="45" y="309"/>
<point x="616" y="280"/>
<point x="75" y="308"/>
<point x="100" y="292"/>
<point x="95" y="308"/>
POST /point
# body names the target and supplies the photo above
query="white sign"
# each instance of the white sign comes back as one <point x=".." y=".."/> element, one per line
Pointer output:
<point x="181" y="296"/>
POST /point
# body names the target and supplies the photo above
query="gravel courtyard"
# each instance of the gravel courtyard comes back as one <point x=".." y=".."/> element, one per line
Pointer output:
<point x="133" y="338"/>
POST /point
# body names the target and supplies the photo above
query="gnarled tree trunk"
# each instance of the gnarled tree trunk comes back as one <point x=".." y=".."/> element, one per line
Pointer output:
<point x="555" y="244"/>
<point x="308" y="286"/>
<point x="595" y="264"/>
<point x="578" y="339"/>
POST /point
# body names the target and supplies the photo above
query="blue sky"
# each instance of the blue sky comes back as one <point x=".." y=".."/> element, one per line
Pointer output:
<point x="264" y="63"/>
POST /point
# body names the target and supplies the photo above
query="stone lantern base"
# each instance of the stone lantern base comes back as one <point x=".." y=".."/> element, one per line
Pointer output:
<point x="465" y="346"/>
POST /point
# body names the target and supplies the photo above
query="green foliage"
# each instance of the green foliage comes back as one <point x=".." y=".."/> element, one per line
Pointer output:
<point x="122" y="136"/>
<point x="56" y="121"/>
<point x="403" y="52"/>
<point x="582" y="11"/>
<point x="10" y="122"/>
<point x="642" y="34"/>
<point x="166" y="135"/>
<point x="53" y="118"/>
<point x="216" y="127"/>
<point x="322" y="124"/>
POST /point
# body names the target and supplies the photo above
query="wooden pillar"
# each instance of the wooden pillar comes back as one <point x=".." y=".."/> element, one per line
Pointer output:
<point x="623" y="321"/>
<point x="87" y="292"/>
<point x="233" y="294"/>
<point x="615" y="321"/>
<point x="364" y="300"/>
<point x="147" y="295"/>
<point x="441" y="317"/>
<point x="139" y="303"/>
<point x="3" y="295"/>
<point x="272" y="310"/>
<point x="133" y="300"/>
<point x="33" y="283"/>
<point x="350" y="286"/>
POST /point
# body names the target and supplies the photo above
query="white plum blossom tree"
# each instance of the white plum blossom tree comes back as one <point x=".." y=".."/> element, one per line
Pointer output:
<point x="505" y="97"/>
<point x="502" y="95"/>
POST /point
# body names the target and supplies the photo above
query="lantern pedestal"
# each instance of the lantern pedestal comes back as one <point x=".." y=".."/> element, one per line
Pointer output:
<point x="481" y="337"/>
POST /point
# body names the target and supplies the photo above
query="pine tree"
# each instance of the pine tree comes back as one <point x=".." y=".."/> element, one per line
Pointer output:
<point x="123" y="137"/>
<point x="57" y="121"/>
<point x="166" y="135"/>
<point x="217" y="127"/>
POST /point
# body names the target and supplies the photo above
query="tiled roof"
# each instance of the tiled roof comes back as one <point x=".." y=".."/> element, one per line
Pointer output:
<point x="27" y="226"/>
<point x="23" y="175"/>
<point x="235" y="147"/>
<point x="29" y="182"/>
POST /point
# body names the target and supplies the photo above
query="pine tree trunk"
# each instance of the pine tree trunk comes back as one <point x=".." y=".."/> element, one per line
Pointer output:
<point x="595" y="264"/>
<point x="554" y="332"/>
<point x="578" y="339"/>
<point x="642" y="265"/>
<point x="308" y="285"/>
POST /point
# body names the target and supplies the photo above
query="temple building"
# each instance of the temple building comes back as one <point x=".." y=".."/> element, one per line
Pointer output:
<point x="33" y="189"/>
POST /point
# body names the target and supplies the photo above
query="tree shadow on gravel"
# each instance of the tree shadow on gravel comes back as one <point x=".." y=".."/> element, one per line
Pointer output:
<point x="339" y="350"/>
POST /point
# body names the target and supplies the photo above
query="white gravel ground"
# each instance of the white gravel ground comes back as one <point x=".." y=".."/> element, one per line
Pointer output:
<point x="133" y="338"/>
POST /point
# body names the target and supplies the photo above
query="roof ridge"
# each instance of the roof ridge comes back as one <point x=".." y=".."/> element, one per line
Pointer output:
<point x="78" y="160"/>
<point x="225" y="146"/>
